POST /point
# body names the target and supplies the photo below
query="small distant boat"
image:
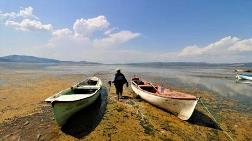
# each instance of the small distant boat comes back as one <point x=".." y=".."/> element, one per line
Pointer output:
<point x="244" y="77"/>
<point x="180" y="104"/>
<point x="72" y="100"/>
<point x="240" y="70"/>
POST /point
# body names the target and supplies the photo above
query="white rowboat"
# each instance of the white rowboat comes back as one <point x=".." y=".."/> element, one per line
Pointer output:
<point x="180" y="104"/>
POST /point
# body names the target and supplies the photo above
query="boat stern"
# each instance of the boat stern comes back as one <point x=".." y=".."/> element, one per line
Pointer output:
<point x="188" y="109"/>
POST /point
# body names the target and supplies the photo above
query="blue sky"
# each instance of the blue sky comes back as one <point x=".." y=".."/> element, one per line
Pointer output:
<point x="128" y="31"/>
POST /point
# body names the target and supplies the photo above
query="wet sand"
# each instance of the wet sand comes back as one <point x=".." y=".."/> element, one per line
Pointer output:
<point x="24" y="115"/>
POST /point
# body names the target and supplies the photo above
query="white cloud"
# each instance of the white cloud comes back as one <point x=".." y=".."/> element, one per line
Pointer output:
<point x="27" y="13"/>
<point x="191" y="51"/>
<point x="242" y="46"/>
<point x="7" y="15"/>
<point x="66" y="45"/>
<point x="66" y="37"/>
<point x="85" y="27"/>
<point x="27" y="24"/>
<point x="60" y="33"/>
<point x="227" y="49"/>
<point x="24" y="20"/>
<point x="23" y="13"/>
<point x="111" y="30"/>
<point x="211" y="49"/>
<point x="83" y="30"/>
<point x="114" y="39"/>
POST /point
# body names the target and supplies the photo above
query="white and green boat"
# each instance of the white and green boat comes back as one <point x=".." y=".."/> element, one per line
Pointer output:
<point x="72" y="100"/>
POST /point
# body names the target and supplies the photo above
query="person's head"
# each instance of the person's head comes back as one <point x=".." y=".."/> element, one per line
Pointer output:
<point x="118" y="70"/>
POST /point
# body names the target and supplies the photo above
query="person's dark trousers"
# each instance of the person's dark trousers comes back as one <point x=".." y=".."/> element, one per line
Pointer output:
<point x="119" y="90"/>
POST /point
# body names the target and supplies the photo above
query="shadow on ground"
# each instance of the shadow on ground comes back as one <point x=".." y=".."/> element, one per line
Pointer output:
<point x="126" y="97"/>
<point x="203" y="120"/>
<point x="86" y="120"/>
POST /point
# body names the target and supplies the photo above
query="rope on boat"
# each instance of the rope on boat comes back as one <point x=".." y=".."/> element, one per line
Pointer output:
<point x="222" y="128"/>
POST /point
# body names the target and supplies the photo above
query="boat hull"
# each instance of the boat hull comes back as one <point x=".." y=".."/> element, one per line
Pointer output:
<point x="63" y="110"/>
<point x="244" y="77"/>
<point x="182" y="108"/>
<point x="71" y="100"/>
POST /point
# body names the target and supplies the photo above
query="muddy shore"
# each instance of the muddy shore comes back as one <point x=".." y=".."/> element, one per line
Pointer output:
<point x="24" y="115"/>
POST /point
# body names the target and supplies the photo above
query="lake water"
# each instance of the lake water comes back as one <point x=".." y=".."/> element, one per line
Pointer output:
<point x="1" y="81"/>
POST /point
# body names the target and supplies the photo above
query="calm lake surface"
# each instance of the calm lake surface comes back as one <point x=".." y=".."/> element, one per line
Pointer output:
<point x="1" y="81"/>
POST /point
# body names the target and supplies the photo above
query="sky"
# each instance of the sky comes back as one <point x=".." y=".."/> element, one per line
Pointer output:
<point x="117" y="31"/>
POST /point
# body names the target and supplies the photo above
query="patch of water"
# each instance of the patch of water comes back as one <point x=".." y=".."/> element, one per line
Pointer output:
<point x="1" y="82"/>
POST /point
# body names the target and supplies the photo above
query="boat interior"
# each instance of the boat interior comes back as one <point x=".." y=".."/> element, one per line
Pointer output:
<point x="148" y="88"/>
<point x="85" y="87"/>
<point x="145" y="86"/>
<point x="88" y="82"/>
<point x="83" y="91"/>
<point x="137" y="81"/>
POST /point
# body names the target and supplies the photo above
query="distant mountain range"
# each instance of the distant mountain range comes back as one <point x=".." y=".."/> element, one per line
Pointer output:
<point x="33" y="59"/>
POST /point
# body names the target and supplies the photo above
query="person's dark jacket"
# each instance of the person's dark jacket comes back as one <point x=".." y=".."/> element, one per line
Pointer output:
<point x="119" y="79"/>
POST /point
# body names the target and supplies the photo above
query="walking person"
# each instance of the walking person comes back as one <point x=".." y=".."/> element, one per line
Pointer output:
<point x="119" y="81"/>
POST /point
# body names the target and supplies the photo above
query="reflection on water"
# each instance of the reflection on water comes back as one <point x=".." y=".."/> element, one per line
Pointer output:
<point x="77" y="69"/>
<point x="249" y="82"/>
<point x="1" y="82"/>
<point x="223" y="87"/>
<point x="85" y="121"/>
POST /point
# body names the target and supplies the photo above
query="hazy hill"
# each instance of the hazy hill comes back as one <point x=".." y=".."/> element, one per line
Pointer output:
<point x="33" y="59"/>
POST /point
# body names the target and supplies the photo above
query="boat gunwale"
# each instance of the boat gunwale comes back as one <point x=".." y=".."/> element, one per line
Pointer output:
<point x="58" y="101"/>
<point x="98" y="88"/>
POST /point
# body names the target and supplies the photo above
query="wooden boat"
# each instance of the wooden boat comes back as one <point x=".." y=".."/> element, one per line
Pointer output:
<point x="244" y="76"/>
<point x="180" y="104"/>
<point x="240" y="70"/>
<point x="71" y="100"/>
